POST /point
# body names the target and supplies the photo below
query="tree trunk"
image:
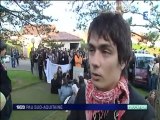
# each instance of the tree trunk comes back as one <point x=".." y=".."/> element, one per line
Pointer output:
<point x="118" y="6"/>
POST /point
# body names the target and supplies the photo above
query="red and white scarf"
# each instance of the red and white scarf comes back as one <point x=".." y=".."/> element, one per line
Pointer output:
<point x="94" y="96"/>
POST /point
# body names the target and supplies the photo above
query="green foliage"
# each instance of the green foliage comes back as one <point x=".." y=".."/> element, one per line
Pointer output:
<point x="153" y="37"/>
<point x="154" y="17"/>
<point x="129" y="20"/>
<point x="83" y="45"/>
<point x="52" y="44"/>
<point x="95" y="7"/>
<point x="22" y="13"/>
<point x="150" y="49"/>
<point x="11" y="45"/>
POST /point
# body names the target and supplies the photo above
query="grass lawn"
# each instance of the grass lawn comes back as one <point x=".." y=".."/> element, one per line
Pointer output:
<point x="21" y="78"/>
<point x="33" y="91"/>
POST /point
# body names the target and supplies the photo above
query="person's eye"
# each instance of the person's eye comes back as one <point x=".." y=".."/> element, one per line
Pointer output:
<point x="91" y="49"/>
<point x="106" y="52"/>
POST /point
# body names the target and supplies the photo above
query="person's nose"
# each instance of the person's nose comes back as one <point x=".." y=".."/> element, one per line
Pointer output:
<point x="95" y="60"/>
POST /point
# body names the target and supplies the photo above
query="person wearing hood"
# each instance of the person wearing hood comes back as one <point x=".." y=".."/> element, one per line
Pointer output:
<point x="5" y="85"/>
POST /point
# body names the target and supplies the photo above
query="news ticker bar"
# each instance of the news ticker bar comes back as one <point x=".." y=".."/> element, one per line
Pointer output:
<point x="79" y="107"/>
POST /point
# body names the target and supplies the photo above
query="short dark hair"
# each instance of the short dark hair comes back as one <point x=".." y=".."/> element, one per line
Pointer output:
<point x="112" y="25"/>
<point x="2" y="45"/>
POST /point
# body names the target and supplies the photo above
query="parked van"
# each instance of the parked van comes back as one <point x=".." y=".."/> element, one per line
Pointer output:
<point x="142" y="61"/>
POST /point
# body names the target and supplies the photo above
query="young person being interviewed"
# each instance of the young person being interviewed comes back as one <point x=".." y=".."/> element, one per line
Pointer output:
<point x="110" y="49"/>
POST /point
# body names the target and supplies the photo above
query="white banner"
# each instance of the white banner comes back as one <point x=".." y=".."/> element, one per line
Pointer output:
<point x="51" y="69"/>
<point x="77" y="71"/>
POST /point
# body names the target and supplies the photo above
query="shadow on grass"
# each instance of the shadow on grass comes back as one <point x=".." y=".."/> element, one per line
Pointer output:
<point x="21" y="79"/>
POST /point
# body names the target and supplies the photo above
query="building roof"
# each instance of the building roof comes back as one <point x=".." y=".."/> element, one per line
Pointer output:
<point x="49" y="32"/>
<point x="39" y="30"/>
<point x="64" y="36"/>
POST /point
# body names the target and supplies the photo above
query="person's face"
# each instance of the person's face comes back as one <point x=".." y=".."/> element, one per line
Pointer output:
<point x="3" y="52"/>
<point x="59" y="69"/>
<point x="153" y="95"/>
<point x="78" y="53"/>
<point x="104" y="65"/>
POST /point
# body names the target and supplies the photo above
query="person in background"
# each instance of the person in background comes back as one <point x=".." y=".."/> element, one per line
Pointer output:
<point x="5" y="85"/>
<point x="131" y="67"/>
<point x="59" y="77"/>
<point x="56" y="81"/>
<point x="155" y="73"/>
<point x="149" y="74"/>
<point x="13" y="55"/>
<point x="110" y="49"/>
<point x="81" y="82"/>
<point x="151" y="98"/>
<point x="31" y="55"/>
<point x="63" y="59"/>
<point x="65" y="90"/>
<point x="40" y="65"/>
<point x="17" y="56"/>
<point x="75" y="86"/>
<point x="78" y="60"/>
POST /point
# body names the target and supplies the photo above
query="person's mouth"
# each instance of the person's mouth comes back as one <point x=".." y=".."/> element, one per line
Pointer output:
<point x="95" y="76"/>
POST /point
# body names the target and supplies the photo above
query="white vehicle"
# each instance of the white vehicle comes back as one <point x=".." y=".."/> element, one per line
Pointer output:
<point x="7" y="58"/>
<point x="140" y="70"/>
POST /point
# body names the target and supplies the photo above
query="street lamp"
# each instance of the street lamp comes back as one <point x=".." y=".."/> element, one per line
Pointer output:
<point x="33" y="41"/>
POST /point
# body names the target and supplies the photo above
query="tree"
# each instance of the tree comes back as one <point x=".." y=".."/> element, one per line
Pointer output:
<point x="22" y="13"/>
<point x="52" y="44"/>
<point x="152" y="37"/>
<point x="153" y="18"/>
<point x="95" y="7"/>
<point x="83" y="45"/>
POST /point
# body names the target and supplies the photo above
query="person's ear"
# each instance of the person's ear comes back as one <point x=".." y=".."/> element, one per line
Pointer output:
<point x="123" y="65"/>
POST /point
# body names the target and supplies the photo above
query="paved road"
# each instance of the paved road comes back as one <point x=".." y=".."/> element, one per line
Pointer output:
<point x="23" y="65"/>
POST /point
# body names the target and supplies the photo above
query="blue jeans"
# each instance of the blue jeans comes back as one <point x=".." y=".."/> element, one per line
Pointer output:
<point x="154" y="80"/>
<point x="13" y="62"/>
<point x="149" y="82"/>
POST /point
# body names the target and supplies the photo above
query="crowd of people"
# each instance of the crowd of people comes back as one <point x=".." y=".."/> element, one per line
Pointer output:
<point x="77" y="58"/>
<point x="62" y="83"/>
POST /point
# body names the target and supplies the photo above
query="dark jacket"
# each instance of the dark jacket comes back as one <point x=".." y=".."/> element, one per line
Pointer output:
<point x="5" y="88"/>
<point x="5" y="82"/>
<point x="63" y="60"/>
<point x="135" y="98"/>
